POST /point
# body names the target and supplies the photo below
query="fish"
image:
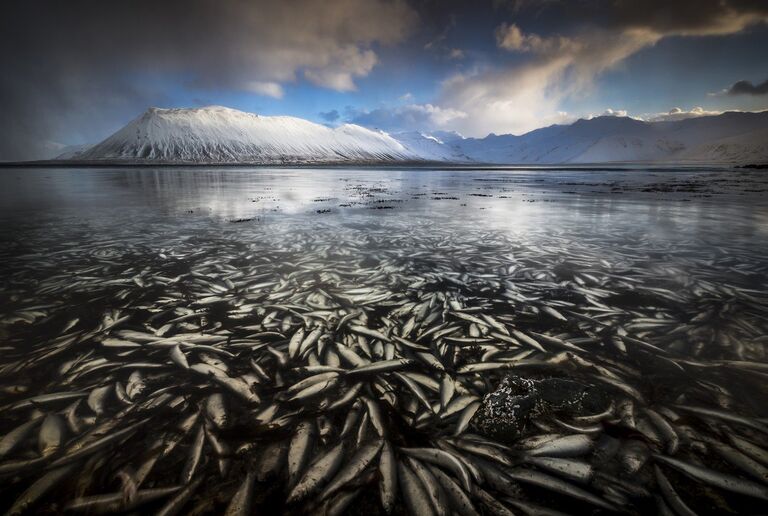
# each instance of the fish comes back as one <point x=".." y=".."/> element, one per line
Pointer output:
<point x="445" y="460"/>
<point x="743" y="462"/>
<point x="574" y="445"/>
<point x="318" y="473"/>
<point x="98" y="398"/>
<point x="355" y="466"/>
<point x="750" y="449"/>
<point x="178" y="357"/>
<point x="300" y="450"/>
<point x="177" y="503"/>
<point x="414" y="492"/>
<point x="726" y="416"/>
<point x="116" y="502"/>
<point x="15" y="437"/>
<point x="388" y="483"/>
<point x="194" y="456"/>
<point x="559" y="486"/>
<point x="240" y="504"/>
<point x="52" y="435"/>
<point x="492" y="504"/>
<point x="670" y="495"/>
<point x="78" y="451"/>
<point x="437" y="497"/>
<point x="39" y="488"/>
<point x="333" y="364"/>
<point x="716" y="478"/>
<point x="577" y="471"/>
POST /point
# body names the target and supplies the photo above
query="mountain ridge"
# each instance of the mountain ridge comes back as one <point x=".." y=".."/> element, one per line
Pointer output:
<point x="217" y="134"/>
<point x="220" y="135"/>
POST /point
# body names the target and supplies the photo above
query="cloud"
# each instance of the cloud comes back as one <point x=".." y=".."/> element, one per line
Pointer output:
<point x="270" y="89"/>
<point x="441" y="43"/>
<point x="598" y="35"/>
<point x="747" y="88"/>
<point x="681" y="17"/>
<point x="438" y="41"/>
<point x="614" y="112"/>
<point x="679" y="114"/>
<point x="66" y="64"/>
<point x="330" y="116"/>
<point x="525" y="96"/>
<point x="406" y="118"/>
<point x="672" y="115"/>
<point x="341" y="69"/>
<point x="510" y="37"/>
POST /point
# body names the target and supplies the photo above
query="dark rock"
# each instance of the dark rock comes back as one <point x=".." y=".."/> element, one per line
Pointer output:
<point x="506" y="413"/>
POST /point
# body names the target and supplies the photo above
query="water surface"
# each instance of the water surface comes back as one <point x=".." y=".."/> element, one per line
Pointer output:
<point x="646" y="285"/>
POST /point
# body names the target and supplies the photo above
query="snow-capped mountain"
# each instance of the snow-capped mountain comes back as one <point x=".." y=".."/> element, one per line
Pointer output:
<point x="733" y="137"/>
<point x="221" y="135"/>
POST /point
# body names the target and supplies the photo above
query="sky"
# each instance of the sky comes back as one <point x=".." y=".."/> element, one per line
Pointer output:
<point x="75" y="71"/>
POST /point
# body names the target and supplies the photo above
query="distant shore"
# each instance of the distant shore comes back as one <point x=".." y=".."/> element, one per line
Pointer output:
<point x="429" y="165"/>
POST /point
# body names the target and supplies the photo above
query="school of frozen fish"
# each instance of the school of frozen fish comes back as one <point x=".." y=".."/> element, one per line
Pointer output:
<point x="337" y="370"/>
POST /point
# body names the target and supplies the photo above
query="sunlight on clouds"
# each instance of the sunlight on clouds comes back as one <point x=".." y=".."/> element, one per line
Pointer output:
<point x="679" y="114"/>
<point x="614" y="112"/>
<point x="510" y="37"/>
<point x="270" y="89"/>
<point x="504" y="101"/>
<point x="340" y="69"/>
<point x="521" y="97"/>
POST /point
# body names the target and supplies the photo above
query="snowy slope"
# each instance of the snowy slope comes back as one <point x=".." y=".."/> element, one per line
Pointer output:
<point x="222" y="135"/>
<point x="751" y="147"/>
<point x="72" y="151"/>
<point x="432" y="147"/>
<point x="730" y="137"/>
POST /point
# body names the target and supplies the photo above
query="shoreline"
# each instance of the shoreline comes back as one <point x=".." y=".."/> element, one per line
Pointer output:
<point x="409" y="165"/>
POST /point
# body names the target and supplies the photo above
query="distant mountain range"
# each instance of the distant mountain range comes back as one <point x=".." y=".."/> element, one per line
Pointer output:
<point x="733" y="137"/>
<point x="219" y="135"/>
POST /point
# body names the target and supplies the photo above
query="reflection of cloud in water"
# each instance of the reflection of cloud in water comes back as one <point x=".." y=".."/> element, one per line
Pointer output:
<point x="682" y="204"/>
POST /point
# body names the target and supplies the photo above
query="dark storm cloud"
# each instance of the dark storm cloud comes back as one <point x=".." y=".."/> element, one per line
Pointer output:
<point x="747" y="88"/>
<point x="68" y="61"/>
<point x="687" y="17"/>
<point x="683" y="17"/>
